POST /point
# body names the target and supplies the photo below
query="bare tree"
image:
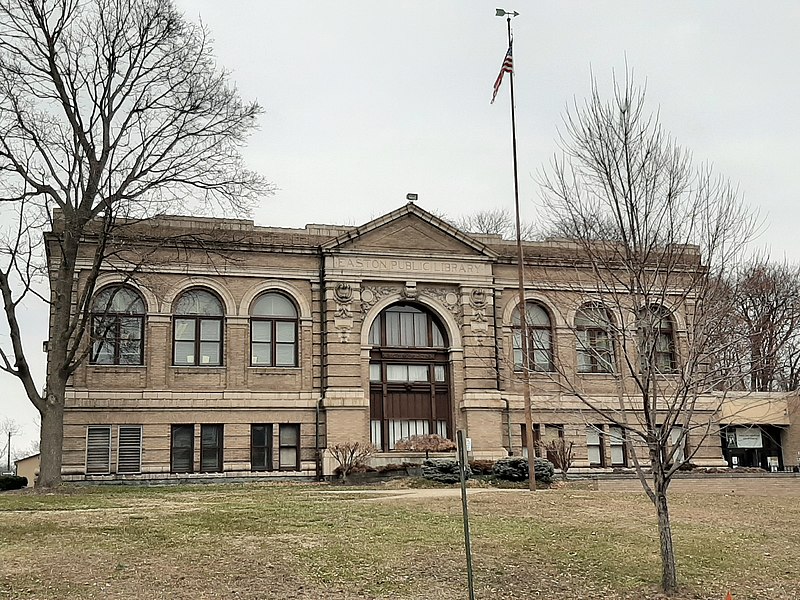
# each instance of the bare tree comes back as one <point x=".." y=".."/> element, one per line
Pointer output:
<point x="641" y="217"/>
<point x="111" y="111"/>
<point x="767" y="306"/>
<point x="498" y="221"/>
<point x="559" y="452"/>
<point x="8" y="429"/>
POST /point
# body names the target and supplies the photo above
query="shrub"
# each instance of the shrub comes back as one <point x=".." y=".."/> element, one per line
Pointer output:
<point x="515" y="468"/>
<point x="12" y="482"/>
<point x="443" y="470"/>
<point x="481" y="467"/>
<point x="351" y="457"/>
<point x="430" y="442"/>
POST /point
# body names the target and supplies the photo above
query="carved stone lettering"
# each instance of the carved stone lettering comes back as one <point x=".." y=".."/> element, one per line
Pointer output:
<point x="407" y="265"/>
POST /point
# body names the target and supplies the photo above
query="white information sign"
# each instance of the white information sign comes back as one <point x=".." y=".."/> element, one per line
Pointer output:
<point x="748" y="437"/>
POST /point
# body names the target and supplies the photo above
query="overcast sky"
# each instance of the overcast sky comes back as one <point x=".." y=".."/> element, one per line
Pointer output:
<point x="368" y="101"/>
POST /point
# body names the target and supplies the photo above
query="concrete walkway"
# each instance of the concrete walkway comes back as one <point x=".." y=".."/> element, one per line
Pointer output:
<point x="743" y="485"/>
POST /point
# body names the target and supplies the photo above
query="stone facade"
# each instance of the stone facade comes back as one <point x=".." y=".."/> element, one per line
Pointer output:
<point x="339" y="280"/>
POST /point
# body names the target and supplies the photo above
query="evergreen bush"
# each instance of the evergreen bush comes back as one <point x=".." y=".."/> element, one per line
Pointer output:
<point x="12" y="482"/>
<point x="443" y="470"/>
<point x="515" y="468"/>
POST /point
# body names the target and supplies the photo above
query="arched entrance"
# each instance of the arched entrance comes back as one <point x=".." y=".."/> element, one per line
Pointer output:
<point x="409" y="376"/>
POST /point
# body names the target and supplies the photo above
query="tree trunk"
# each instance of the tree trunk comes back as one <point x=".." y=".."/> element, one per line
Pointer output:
<point x="58" y="361"/>
<point x="50" y="447"/>
<point x="669" y="573"/>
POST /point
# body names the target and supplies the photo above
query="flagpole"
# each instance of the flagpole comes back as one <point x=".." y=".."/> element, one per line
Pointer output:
<point x="523" y="312"/>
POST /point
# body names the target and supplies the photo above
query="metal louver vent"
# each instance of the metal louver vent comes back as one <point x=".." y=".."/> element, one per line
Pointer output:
<point x="129" y="457"/>
<point x="98" y="450"/>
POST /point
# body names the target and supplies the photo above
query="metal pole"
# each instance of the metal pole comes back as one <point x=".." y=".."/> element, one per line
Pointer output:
<point x="9" y="453"/>
<point x="462" y="462"/>
<point x="523" y="313"/>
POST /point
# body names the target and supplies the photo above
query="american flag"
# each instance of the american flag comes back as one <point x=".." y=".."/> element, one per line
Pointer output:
<point x="508" y="67"/>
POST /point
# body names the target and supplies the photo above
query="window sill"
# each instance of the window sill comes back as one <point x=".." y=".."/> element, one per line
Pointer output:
<point x="535" y="373"/>
<point x="271" y="370"/>
<point x="196" y="369"/>
<point x="604" y="375"/>
<point x="117" y="368"/>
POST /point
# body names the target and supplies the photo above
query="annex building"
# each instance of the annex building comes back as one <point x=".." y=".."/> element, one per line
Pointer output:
<point x="244" y="351"/>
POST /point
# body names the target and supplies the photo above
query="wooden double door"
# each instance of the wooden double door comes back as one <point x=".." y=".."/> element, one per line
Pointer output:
<point x="409" y="395"/>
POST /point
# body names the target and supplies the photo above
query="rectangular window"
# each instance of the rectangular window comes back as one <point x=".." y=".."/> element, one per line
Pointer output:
<point x="374" y="372"/>
<point x="261" y="338"/>
<point x="289" y="448"/>
<point x="261" y="447"/>
<point x="537" y="441"/>
<point x="210" y="448"/>
<point x="400" y="429"/>
<point x="664" y="353"/>
<point x="677" y="440"/>
<point x="551" y="439"/>
<point x="184" y="342"/>
<point x="129" y="449"/>
<point x="98" y="450"/>
<point x="616" y="441"/>
<point x="376" y="434"/>
<point x="392" y="328"/>
<point x="410" y="373"/>
<point x="594" y="445"/>
<point x="182" y="449"/>
<point x="285" y="347"/>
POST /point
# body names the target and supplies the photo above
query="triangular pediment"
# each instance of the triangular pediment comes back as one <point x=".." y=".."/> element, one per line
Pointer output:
<point x="410" y="230"/>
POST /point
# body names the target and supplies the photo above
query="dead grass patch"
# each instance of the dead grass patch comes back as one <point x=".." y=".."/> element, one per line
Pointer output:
<point x="260" y="541"/>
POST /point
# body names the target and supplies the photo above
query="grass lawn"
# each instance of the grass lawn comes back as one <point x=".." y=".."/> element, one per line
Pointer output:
<point x="269" y="541"/>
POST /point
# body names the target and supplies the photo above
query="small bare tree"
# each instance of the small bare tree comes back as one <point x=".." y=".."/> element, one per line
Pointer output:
<point x="641" y="217"/>
<point x="559" y="451"/>
<point x="350" y="456"/>
<point x="111" y="111"/>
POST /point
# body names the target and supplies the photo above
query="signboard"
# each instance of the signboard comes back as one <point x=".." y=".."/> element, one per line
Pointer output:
<point x="748" y="437"/>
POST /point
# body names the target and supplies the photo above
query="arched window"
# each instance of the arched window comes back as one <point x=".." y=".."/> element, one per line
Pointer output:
<point x="117" y="327"/>
<point x="273" y="331"/>
<point x="540" y="338"/>
<point x="656" y="339"/>
<point x="197" y="329"/>
<point x="404" y="326"/>
<point x="595" y="343"/>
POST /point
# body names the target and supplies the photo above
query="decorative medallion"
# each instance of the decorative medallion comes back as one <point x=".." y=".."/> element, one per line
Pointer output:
<point x="372" y="294"/>
<point x="447" y="297"/>
<point x="343" y="292"/>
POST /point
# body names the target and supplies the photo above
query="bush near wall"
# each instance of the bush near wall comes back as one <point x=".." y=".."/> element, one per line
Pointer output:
<point x="515" y="468"/>
<point x="481" y="467"/>
<point x="12" y="482"/>
<point x="443" y="470"/>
